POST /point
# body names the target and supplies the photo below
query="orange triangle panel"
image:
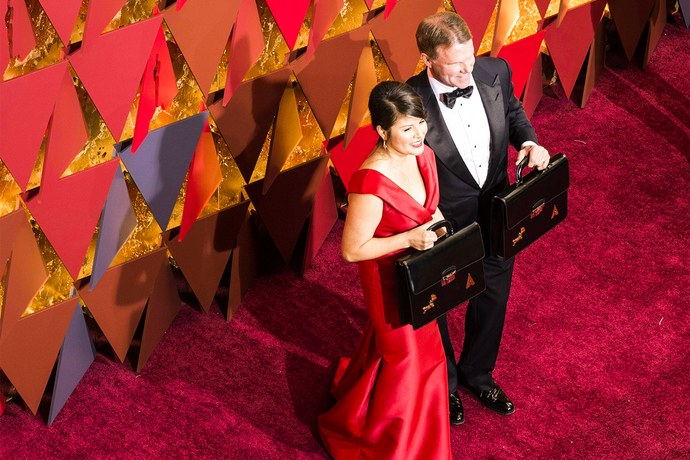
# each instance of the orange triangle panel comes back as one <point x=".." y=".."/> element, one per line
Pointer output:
<point x="325" y="79"/>
<point x="521" y="56"/>
<point x="26" y="272"/>
<point x="204" y="253"/>
<point x="288" y="203"/>
<point x="365" y="80"/>
<point x="10" y="226"/>
<point x="287" y="133"/>
<point x="246" y="46"/>
<point x="111" y="68"/>
<point x="163" y="306"/>
<point x="63" y="14"/>
<point x="568" y="44"/>
<point x="396" y="35"/>
<point x="118" y="300"/>
<point x="244" y="267"/>
<point x="201" y="30"/>
<point x="630" y="17"/>
<point x="69" y="209"/>
<point x="325" y="12"/>
<point x="27" y="104"/>
<point x="246" y="120"/>
<point x="28" y="352"/>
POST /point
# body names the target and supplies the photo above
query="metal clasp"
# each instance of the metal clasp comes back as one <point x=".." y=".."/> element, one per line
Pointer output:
<point x="448" y="278"/>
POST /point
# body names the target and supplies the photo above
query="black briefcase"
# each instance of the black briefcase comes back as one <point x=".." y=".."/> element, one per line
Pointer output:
<point x="529" y="208"/>
<point x="431" y="283"/>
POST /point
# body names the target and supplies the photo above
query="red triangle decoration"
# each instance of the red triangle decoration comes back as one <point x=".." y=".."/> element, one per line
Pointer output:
<point x="19" y="40"/>
<point x="203" y="179"/>
<point x="246" y="46"/>
<point x="19" y="148"/>
<point x="568" y="44"/>
<point x="396" y="35"/>
<point x="335" y="61"/>
<point x="630" y="17"/>
<point x="390" y="4"/>
<point x="289" y="16"/>
<point x="158" y="88"/>
<point x="348" y="160"/>
<point x="63" y="14"/>
<point x="201" y="30"/>
<point x="477" y="15"/>
<point x="77" y="199"/>
<point x="28" y="352"/>
<point x="111" y="69"/>
<point x="323" y="217"/>
<point x="67" y="132"/>
<point x="325" y="12"/>
<point x="533" y="89"/>
<point x="288" y="203"/>
<point x="542" y="6"/>
<point x="99" y="15"/>
<point x="521" y="56"/>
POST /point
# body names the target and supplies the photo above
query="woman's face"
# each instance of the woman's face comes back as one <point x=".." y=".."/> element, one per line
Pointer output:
<point x="406" y="136"/>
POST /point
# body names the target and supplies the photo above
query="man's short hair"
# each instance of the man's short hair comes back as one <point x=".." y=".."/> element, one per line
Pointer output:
<point x="441" y="30"/>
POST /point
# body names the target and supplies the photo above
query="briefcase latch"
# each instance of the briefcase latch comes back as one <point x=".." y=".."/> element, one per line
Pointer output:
<point x="448" y="276"/>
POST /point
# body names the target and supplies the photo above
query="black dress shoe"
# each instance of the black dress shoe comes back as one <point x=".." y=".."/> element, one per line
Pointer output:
<point x="457" y="413"/>
<point x="495" y="399"/>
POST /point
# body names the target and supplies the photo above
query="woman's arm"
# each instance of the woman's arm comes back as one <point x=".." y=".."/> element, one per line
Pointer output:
<point x="364" y="213"/>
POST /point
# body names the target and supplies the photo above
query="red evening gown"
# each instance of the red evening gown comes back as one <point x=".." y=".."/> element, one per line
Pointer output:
<point x="392" y="395"/>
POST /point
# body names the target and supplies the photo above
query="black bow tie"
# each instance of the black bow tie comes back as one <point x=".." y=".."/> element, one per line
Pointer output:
<point x="449" y="98"/>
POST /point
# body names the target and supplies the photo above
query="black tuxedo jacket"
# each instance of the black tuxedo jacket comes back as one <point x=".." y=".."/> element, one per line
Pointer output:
<point x="462" y="200"/>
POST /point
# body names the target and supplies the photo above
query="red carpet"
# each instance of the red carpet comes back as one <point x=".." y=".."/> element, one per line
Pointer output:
<point x="595" y="352"/>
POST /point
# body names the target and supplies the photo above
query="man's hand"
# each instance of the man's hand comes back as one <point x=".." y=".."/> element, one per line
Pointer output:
<point x="538" y="156"/>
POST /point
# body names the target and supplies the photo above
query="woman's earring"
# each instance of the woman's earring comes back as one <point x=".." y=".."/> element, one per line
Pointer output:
<point x="385" y="147"/>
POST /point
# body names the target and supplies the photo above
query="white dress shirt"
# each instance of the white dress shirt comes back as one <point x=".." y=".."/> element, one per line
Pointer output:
<point x="468" y="127"/>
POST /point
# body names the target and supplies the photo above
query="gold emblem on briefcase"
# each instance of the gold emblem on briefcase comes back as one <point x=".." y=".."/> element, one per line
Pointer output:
<point x="430" y="305"/>
<point x="554" y="213"/>
<point x="470" y="281"/>
<point x="519" y="237"/>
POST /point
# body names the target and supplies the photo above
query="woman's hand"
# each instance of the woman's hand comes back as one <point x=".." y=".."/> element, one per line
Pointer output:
<point x="420" y="238"/>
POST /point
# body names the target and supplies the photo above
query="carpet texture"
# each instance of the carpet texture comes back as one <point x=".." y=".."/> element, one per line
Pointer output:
<point x="594" y="354"/>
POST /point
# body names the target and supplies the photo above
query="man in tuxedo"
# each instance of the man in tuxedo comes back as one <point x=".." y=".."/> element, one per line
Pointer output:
<point x="472" y="116"/>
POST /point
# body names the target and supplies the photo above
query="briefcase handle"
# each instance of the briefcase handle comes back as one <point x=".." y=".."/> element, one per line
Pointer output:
<point x="520" y="167"/>
<point x="439" y="225"/>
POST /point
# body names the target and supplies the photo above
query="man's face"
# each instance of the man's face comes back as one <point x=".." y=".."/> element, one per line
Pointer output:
<point x="453" y="64"/>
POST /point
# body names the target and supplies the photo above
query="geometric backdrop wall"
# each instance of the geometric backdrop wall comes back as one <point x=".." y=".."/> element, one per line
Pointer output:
<point x="146" y="141"/>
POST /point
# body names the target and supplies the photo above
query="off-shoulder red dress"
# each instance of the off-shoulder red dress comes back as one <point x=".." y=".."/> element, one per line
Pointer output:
<point x="392" y="395"/>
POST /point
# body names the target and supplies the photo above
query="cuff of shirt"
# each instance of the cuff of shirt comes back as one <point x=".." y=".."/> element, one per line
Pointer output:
<point x="527" y="143"/>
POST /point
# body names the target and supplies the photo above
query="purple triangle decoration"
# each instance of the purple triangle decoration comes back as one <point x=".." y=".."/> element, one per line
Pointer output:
<point x="161" y="163"/>
<point x="76" y="355"/>
<point x="117" y="223"/>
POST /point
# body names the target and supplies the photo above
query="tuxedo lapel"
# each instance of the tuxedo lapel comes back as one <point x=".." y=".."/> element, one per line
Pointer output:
<point x="489" y="87"/>
<point x="438" y="137"/>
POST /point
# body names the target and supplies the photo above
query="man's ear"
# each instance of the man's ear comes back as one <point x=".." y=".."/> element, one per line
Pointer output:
<point x="426" y="60"/>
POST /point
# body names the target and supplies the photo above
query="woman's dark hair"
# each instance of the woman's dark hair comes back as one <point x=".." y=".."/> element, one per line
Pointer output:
<point x="390" y="100"/>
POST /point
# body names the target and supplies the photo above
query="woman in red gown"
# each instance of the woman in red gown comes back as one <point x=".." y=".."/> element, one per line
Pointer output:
<point x="392" y="395"/>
